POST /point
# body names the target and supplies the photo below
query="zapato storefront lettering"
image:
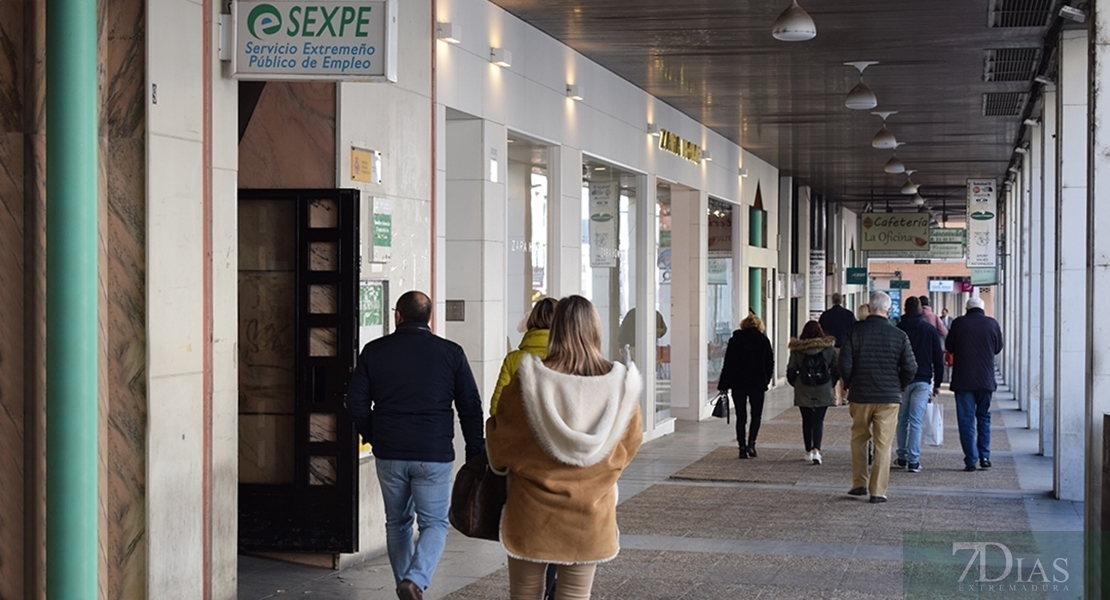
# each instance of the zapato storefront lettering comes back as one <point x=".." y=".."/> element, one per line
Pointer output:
<point x="315" y="40"/>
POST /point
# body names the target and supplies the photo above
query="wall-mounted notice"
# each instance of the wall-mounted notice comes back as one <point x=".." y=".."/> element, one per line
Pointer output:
<point x="816" y="283"/>
<point x="604" y="199"/>
<point x="289" y="40"/>
<point x="894" y="231"/>
<point x="382" y="230"/>
<point x="982" y="223"/>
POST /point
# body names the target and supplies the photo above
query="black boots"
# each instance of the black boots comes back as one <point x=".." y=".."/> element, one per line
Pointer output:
<point x="751" y="451"/>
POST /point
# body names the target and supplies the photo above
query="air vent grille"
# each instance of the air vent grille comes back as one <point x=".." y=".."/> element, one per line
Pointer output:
<point x="1004" y="104"/>
<point x="1010" y="64"/>
<point x="1019" y="13"/>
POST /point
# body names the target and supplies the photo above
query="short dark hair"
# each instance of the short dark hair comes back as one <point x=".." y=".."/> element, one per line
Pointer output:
<point x="415" y="307"/>
<point x="913" y="305"/>
<point x="924" y="300"/>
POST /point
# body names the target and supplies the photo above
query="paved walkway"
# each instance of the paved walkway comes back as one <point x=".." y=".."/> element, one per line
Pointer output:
<point x="771" y="527"/>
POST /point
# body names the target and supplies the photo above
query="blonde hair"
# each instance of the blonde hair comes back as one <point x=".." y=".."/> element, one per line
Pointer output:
<point x="574" y="344"/>
<point x="752" y="321"/>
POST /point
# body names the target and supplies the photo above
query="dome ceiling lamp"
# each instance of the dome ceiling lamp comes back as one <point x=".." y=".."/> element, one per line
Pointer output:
<point x="910" y="188"/>
<point x="918" y="200"/>
<point x="794" y="25"/>
<point x="884" y="139"/>
<point x="861" y="97"/>
<point x="895" y="165"/>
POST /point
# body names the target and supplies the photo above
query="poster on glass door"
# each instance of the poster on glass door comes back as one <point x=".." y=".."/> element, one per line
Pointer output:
<point x="604" y="202"/>
<point x="982" y="223"/>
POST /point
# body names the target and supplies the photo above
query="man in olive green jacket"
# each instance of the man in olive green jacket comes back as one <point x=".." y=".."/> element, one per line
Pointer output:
<point x="877" y="363"/>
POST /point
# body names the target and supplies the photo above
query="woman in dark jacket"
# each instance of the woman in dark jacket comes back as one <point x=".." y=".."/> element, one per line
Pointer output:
<point x="812" y="397"/>
<point x="749" y="365"/>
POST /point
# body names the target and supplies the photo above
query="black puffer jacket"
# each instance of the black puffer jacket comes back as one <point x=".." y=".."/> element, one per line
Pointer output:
<point x="927" y="348"/>
<point x="749" y="362"/>
<point x="876" y="362"/>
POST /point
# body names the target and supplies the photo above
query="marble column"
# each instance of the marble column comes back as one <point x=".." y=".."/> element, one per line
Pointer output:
<point x="1033" y="298"/>
<point x="785" y="243"/>
<point x="689" y="338"/>
<point x="1047" y="316"/>
<point x="1021" y="306"/>
<point x="1071" y="267"/>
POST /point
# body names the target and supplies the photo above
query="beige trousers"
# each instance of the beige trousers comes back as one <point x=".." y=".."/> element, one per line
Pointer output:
<point x="527" y="580"/>
<point x="876" y="422"/>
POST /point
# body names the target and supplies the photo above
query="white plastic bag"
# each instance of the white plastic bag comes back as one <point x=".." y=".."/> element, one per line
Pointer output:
<point x="933" y="427"/>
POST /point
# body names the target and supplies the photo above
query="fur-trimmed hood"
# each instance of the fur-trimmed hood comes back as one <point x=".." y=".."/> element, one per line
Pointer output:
<point x="578" y="420"/>
<point x="820" y="343"/>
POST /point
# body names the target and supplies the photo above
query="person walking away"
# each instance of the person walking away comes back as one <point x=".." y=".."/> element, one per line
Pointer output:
<point x="931" y="317"/>
<point x="564" y="431"/>
<point x="748" y="368"/>
<point x="974" y="340"/>
<point x="928" y="352"/>
<point x="534" y="342"/>
<point x="400" y="398"/>
<point x="862" y="312"/>
<point x="836" y="321"/>
<point x="812" y="371"/>
<point x="877" y="363"/>
<point x="946" y="318"/>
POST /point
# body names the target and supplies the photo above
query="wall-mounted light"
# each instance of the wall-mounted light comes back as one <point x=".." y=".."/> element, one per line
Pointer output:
<point x="653" y="130"/>
<point x="1072" y="13"/>
<point x="449" y="32"/>
<point x="574" y="91"/>
<point x="743" y="172"/>
<point x="501" y="57"/>
<point x="706" y="156"/>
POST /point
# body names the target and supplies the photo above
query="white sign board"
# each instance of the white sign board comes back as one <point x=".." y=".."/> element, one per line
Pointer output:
<point x="604" y="199"/>
<point x="816" y="283"/>
<point x="296" y="40"/>
<point x="942" y="285"/>
<point x="982" y="223"/>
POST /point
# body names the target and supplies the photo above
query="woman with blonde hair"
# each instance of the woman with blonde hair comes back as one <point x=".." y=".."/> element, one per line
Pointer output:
<point x="748" y="368"/>
<point x="564" y="430"/>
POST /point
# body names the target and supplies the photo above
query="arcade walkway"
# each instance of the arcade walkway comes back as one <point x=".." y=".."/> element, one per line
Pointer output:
<point x="696" y="522"/>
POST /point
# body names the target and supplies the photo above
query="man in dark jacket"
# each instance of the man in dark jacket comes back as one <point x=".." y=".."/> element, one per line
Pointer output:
<point x="748" y="368"/>
<point x="401" y="398"/>
<point x="974" y="340"/>
<point x="836" y="321"/>
<point x="928" y="351"/>
<point x="877" y="363"/>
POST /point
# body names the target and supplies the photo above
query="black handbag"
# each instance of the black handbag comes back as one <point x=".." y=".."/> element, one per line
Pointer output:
<point x="477" y="499"/>
<point x="721" y="408"/>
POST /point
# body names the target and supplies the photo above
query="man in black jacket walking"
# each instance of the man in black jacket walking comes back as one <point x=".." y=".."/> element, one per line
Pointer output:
<point x="877" y="363"/>
<point x="929" y="352"/>
<point x="836" y="321"/>
<point x="974" y="340"/>
<point x="401" y="397"/>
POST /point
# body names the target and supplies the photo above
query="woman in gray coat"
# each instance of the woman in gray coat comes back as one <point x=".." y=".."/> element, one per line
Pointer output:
<point x="813" y="373"/>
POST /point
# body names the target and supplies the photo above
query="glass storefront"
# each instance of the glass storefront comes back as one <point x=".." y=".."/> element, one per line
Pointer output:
<point x="719" y="287"/>
<point x="526" y="246"/>
<point x="663" y="302"/>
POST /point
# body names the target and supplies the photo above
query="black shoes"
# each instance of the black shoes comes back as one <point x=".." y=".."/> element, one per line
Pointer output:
<point x="878" y="499"/>
<point x="751" y="451"/>
<point x="408" y="590"/>
<point x="857" y="491"/>
<point x="969" y="468"/>
<point x="743" y="452"/>
<point x="984" y="463"/>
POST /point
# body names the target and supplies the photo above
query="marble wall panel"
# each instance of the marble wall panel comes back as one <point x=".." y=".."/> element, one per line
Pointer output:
<point x="290" y="141"/>
<point x="266" y="443"/>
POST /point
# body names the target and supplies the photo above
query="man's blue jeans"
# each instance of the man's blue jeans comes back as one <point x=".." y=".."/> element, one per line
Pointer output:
<point x="910" y="414"/>
<point x="973" y="415"/>
<point x="422" y="488"/>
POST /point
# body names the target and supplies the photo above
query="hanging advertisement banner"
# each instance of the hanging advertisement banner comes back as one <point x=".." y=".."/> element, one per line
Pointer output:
<point x="291" y="40"/>
<point x="604" y="196"/>
<point x="894" y="231"/>
<point x="816" y="283"/>
<point x="982" y="223"/>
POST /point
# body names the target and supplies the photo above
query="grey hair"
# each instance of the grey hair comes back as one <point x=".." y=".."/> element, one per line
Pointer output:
<point x="880" y="303"/>
<point x="837" y="299"/>
<point x="974" y="303"/>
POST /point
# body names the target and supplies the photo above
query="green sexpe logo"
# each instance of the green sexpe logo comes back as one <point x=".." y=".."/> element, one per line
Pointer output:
<point x="266" y="17"/>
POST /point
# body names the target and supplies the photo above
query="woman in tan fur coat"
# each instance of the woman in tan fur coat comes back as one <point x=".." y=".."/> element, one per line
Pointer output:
<point x="565" y="428"/>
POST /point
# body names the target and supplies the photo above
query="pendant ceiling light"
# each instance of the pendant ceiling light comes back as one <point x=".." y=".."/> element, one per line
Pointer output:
<point x="910" y="188"/>
<point x="861" y="97"/>
<point x="918" y="200"/>
<point x="794" y="25"/>
<point x="884" y="139"/>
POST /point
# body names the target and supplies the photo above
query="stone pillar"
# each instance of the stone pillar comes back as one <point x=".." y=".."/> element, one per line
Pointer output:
<point x="566" y="222"/>
<point x="1020" y="308"/>
<point x="689" y="334"/>
<point x="1048" y="269"/>
<point x="1032" y="310"/>
<point x="784" y="246"/>
<point x="1071" y="266"/>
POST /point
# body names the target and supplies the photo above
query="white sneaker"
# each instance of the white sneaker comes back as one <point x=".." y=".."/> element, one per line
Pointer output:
<point x="809" y="456"/>
<point x="816" y="457"/>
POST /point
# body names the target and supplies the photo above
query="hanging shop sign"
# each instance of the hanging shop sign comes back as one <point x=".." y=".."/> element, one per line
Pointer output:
<point x="292" y="40"/>
<point x="677" y="146"/>
<point x="894" y="231"/>
<point x="984" y="276"/>
<point x="943" y="243"/>
<point x="604" y="197"/>
<point x="982" y="223"/>
<point x="856" y="276"/>
<point x="816" y="283"/>
<point x="942" y="285"/>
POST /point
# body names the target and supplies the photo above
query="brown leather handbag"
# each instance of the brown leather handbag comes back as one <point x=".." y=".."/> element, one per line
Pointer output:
<point x="477" y="499"/>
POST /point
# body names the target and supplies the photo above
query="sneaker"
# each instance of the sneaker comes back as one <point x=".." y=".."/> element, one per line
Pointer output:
<point x="816" y="457"/>
<point x="984" y="463"/>
<point x="899" y="463"/>
<point x="914" y="467"/>
<point x="809" y="456"/>
<point x="857" y="491"/>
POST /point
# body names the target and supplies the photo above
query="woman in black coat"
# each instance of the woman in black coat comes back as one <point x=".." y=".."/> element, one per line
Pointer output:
<point x="749" y="366"/>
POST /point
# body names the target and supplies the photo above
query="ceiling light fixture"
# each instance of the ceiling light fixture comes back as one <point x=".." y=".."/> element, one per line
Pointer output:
<point x="861" y="97"/>
<point x="1032" y="122"/>
<point x="1073" y="14"/>
<point x="501" y="57"/>
<point x="794" y="25"/>
<point x="918" y="200"/>
<point x="1043" y="80"/>
<point x="884" y="139"/>
<point x="574" y="92"/>
<point x="910" y="188"/>
<point x="449" y="32"/>
<point x="894" y="165"/>
<point x="1021" y="150"/>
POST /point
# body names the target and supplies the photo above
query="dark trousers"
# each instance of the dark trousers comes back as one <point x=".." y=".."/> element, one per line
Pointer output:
<point x="813" y="425"/>
<point x="740" y="400"/>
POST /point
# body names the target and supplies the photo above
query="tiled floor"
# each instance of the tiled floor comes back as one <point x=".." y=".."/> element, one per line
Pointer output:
<point x="771" y="527"/>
